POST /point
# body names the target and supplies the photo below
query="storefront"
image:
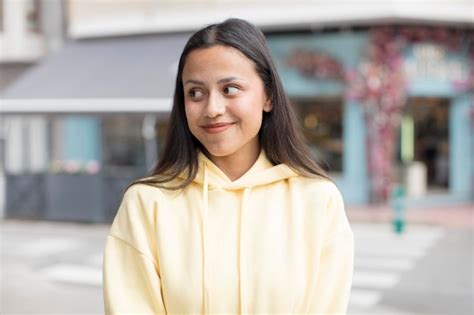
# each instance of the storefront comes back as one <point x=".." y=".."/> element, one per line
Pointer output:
<point x="312" y="67"/>
<point x="386" y="106"/>
<point x="74" y="167"/>
<point x="79" y="127"/>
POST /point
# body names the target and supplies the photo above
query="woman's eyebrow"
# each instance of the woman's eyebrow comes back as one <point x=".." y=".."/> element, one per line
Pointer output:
<point x="223" y="80"/>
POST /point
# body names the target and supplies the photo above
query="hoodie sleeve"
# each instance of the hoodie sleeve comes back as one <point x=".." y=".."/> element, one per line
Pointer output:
<point x="334" y="277"/>
<point x="131" y="275"/>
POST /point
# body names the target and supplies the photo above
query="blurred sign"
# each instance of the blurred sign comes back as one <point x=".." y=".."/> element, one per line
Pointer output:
<point x="431" y="61"/>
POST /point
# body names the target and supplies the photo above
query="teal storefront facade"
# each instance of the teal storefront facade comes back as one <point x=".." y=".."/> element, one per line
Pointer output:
<point x="348" y="49"/>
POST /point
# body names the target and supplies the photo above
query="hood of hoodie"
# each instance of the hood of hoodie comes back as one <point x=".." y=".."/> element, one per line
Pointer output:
<point x="262" y="172"/>
<point x="211" y="177"/>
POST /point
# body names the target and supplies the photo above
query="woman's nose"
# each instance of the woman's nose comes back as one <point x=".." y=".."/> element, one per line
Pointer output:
<point x="215" y="105"/>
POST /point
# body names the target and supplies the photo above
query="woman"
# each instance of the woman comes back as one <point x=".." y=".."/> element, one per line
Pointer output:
<point x="236" y="217"/>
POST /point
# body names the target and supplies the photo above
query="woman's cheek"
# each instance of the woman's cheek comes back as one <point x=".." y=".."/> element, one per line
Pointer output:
<point x="190" y="112"/>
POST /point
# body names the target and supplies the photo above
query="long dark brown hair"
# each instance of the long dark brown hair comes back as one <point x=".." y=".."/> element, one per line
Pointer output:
<point x="280" y="135"/>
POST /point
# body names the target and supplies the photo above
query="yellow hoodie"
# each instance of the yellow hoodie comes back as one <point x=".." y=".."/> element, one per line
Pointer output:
<point x="269" y="242"/>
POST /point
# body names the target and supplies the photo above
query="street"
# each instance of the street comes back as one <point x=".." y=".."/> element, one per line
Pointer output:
<point x="55" y="268"/>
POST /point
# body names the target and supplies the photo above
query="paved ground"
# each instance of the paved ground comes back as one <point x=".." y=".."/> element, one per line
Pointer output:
<point x="427" y="270"/>
<point x="442" y="281"/>
<point x="459" y="216"/>
<point x="51" y="268"/>
<point x="55" y="268"/>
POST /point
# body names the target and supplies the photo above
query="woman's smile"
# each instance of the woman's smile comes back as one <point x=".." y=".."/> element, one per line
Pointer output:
<point x="217" y="128"/>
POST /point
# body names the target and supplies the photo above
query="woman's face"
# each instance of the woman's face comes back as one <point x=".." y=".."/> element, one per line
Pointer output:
<point x="224" y="100"/>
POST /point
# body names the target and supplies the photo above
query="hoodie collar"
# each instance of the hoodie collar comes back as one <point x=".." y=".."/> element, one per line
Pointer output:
<point x="262" y="172"/>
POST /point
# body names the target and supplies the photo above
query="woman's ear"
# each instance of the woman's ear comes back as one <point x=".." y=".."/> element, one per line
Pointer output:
<point x="268" y="106"/>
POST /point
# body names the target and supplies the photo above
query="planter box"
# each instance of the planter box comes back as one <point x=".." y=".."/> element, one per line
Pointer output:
<point x="24" y="196"/>
<point x="74" y="197"/>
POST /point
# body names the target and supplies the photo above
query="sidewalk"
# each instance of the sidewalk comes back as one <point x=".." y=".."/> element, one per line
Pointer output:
<point x="459" y="216"/>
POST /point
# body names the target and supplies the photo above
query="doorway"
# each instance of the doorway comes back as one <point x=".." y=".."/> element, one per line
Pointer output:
<point x="424" y="140"/>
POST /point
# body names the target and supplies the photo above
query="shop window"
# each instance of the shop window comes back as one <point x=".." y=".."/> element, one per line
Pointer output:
<point x="424" y="139"/>
<point x="26" y="144"/>
<point x="124" y="145"/>
<point x="76" y="144"/>
<point x="321" y="119"/>
<point x="33" y="15"/>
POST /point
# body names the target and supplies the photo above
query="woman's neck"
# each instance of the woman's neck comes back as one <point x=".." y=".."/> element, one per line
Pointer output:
<point x="236" y="164"/>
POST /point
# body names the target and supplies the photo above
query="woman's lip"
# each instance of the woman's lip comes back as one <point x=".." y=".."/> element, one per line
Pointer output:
<point x="217" y="128"/>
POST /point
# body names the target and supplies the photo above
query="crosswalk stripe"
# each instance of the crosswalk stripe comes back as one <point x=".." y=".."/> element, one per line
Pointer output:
<point x="48" y="246"/>
<point x="390" y="252"/>
<point x="399" y="264"/>
<point x="361" y="298"/>
<point x="95" y="260"/>
<point x="77" y="274"/>
<point x="385" y="243"/>
<point x="390" y="236"/>
<point x="374" y="279"/>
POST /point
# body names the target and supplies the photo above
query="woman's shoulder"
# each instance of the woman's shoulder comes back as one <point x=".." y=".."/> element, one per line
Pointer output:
<point x="317" y="188"/>
<point x="141" y="188"/>
<point x="146" y="188"/>
<point x="318" y="183"/>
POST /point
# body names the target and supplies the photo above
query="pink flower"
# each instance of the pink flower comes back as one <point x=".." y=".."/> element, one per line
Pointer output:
<point x="92" y="167"/>
<point x="72" y="166"/>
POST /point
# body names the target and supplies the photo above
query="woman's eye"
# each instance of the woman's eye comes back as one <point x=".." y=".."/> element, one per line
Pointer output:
<point x="195" y="93"/>
<point x="231" y="89"/>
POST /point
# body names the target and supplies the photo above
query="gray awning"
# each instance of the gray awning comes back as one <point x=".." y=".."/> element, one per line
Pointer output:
<point x="138" y="67"/>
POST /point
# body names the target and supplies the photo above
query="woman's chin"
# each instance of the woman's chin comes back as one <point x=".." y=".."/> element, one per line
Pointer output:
<point x="219" y="151"/>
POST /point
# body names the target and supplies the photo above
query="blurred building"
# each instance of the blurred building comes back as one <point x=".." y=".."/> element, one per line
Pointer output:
<point x="384" y="96"/>
<point x="29" y="30"/>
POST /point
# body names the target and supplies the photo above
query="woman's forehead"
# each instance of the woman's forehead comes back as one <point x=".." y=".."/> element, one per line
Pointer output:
<point x="217" y="62"/>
